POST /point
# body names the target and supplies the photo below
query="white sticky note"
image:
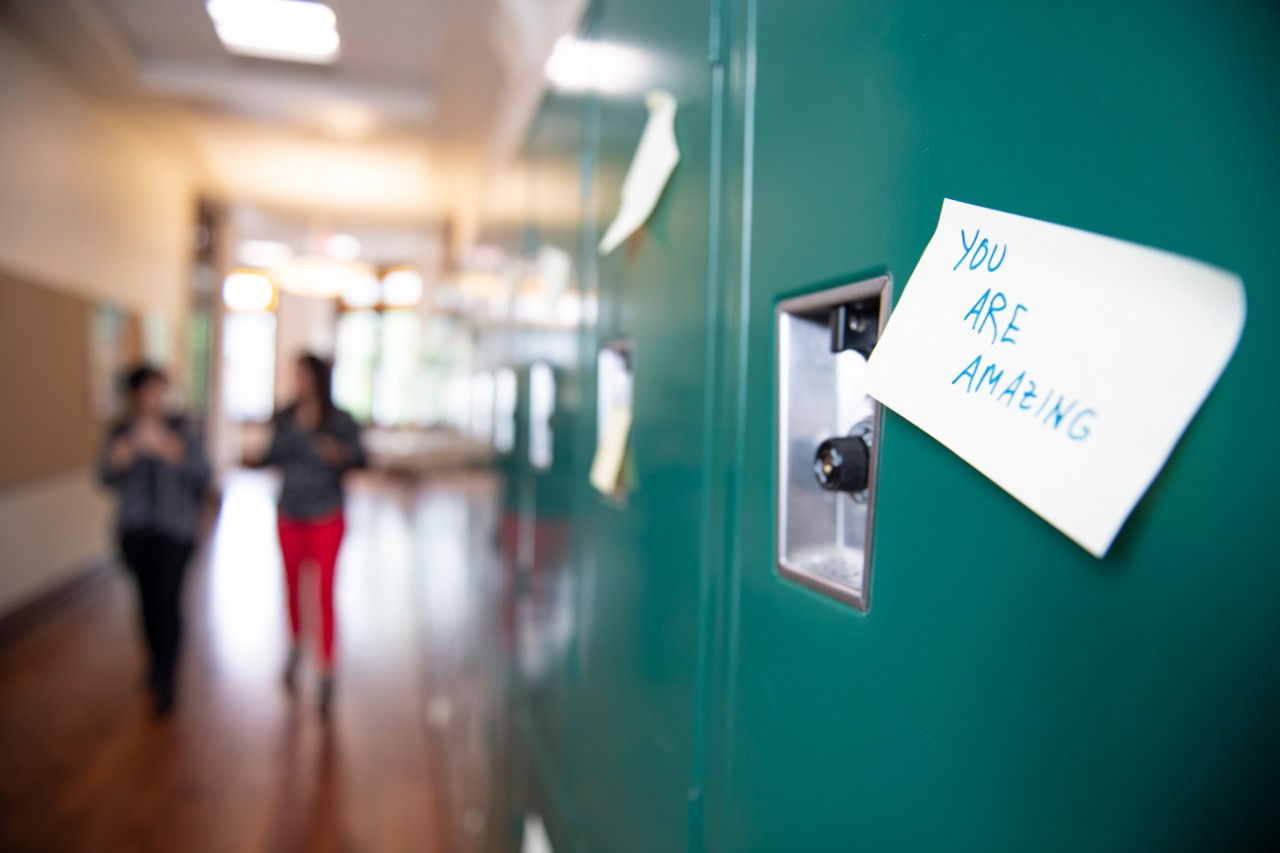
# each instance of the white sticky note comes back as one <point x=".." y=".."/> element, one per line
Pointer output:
<point x="611" y="451"/>
<point x="655" y="159"/>
<point x="536" y="839"/>
<point x="1061" y="364"/>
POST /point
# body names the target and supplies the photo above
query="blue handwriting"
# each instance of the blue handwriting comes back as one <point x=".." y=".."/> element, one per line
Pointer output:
<point x="984" y="311"/>
<point x="978" y="252"/>
<point x="1048" y="410"/>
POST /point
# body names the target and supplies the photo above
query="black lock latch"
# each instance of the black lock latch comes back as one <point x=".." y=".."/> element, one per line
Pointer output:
<point x="854" y="327"/>
<point x="843" y="464"/>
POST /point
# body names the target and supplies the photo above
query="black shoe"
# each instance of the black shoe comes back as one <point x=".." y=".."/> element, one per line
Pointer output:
<point x="162" y="700"/>
<point x="291" y="669"/>
<point x="326" y="695"/>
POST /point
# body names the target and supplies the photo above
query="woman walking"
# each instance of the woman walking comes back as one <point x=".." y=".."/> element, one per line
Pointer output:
<point x="315" y="443"/>
<point x="156" y="464"/>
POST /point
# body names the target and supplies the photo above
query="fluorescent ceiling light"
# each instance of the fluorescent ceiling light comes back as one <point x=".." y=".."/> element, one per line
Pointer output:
<point x="580" y="65"/>
<point x="248" y="291"/>
<point x="401" y="288"/>
<point x="342" y="120"/>
<point x="292" y="30"/>
<point x="264" y="254"/>
<point x="342" y="247"/>
<point x="317" y="276"/>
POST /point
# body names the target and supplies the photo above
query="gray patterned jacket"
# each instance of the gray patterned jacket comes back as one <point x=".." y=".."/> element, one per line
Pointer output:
<point x="157" y="496"/>
<point x="312" y="487"/>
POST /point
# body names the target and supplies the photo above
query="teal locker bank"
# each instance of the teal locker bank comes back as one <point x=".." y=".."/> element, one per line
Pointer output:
<point x="1006" y="691"/>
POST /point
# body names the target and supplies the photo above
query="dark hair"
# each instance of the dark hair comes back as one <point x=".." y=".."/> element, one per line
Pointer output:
<point x="141" y="375"/>
<point x="321" y="377"/>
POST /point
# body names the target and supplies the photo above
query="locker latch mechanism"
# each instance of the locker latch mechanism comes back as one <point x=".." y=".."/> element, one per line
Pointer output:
<point x="844" y="464"/>
<point x="855" y="326"/>
<point x="826" y="499"/>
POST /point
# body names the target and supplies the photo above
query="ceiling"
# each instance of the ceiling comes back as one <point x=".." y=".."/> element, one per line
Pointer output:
<point x="426" y="98"/>
<point x="396" y="58"/>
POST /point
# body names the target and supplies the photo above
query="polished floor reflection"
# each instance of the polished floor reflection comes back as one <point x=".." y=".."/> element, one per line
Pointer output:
<point x="411" y="759"/>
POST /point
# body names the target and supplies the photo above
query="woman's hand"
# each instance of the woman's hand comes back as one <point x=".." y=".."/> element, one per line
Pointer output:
<point x="171" y="448"/>
<point x="121" y="454"/>
<point x="332" y="451"/>
<point x="154" y="439"/>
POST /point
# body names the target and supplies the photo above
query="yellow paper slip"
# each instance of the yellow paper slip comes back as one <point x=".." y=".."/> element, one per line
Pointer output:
<point x="611" y="452"/>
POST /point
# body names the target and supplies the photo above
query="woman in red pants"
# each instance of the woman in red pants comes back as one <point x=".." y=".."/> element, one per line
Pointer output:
<point x="315" y="443"/>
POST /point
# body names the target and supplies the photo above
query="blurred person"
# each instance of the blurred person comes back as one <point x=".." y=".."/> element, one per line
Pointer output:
<point x="156" y="463"/>
<point x="315" y="443"/>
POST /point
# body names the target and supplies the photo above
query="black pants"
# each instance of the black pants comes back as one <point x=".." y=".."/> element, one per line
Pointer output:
<point x="159" y="563"/>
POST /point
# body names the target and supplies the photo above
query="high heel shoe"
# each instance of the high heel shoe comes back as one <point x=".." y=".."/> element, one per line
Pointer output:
<point x="326" y="695"/>
<point x="162" y="700"/>
<point x="290" y="678"/>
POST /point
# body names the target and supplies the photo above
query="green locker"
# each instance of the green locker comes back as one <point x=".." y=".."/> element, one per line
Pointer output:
<point x="1005" y="691"/>
<point x="609" y="725"/>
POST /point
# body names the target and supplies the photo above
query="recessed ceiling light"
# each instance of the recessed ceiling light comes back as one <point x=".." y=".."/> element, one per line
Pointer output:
<point x="317" y="276"/>
<point x="292" y="30"/>
<point x="401" y="288"/>
<point x="265" y="254"/>
<point x="345" y="120"/>
<point x="248" y="291"/>
<point x="342" y="247"/>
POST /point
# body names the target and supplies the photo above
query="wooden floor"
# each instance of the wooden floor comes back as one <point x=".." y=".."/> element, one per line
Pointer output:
<point x="407" y="762"/>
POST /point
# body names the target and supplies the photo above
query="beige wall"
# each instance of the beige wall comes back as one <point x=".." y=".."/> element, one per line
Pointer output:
<point x="90" y="205"/>
<point x="88" y="202"/>
<point x="50" y="529"/>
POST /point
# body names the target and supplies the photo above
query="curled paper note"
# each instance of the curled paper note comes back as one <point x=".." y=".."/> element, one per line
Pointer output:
<point x="655" y="159"/>
<point x="1063" y="365"/>
<point x="608" y="466"/>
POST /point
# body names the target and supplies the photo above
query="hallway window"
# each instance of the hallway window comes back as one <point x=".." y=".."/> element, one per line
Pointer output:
<point x="444" y="389"/>
<point x="248" y="365"/>
<point x="542" y="404"/>
<point x="356" y="353"/>
<point x="482" y="406"/>
<point x="396" y="379"/>
<point x="504" y="416"/>
<point x="377" y="371"/>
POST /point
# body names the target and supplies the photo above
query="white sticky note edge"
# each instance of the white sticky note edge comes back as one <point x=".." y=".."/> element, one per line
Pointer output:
<point x="536" y="839"/>
<point x="655" y="159"/>
<point x="1138" y="334"/>
<point x="611" y="451"/>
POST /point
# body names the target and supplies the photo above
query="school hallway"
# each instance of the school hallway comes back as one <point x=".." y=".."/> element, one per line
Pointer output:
<point x="757" y="426"/>
<point x="406" y="761"/>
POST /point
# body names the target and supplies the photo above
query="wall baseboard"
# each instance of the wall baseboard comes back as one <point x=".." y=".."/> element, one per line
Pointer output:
<point x="27" y="620"/>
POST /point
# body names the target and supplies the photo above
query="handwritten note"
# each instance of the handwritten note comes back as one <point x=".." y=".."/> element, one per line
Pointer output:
<point x="1061" y="364"/>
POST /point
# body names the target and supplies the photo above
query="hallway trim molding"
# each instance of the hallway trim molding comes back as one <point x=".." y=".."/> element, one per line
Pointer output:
<point x="31" y="618"/>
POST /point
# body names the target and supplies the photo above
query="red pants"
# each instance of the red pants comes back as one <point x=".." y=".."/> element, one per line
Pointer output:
<point x="314" y="540"/>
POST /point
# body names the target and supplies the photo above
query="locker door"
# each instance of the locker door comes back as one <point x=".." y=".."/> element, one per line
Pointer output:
<point x="611" y="727"/>
<point x="1007" y="691"/>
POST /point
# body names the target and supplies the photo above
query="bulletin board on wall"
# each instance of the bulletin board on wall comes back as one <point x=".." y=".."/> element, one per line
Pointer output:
<point x="51" y="384"/>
